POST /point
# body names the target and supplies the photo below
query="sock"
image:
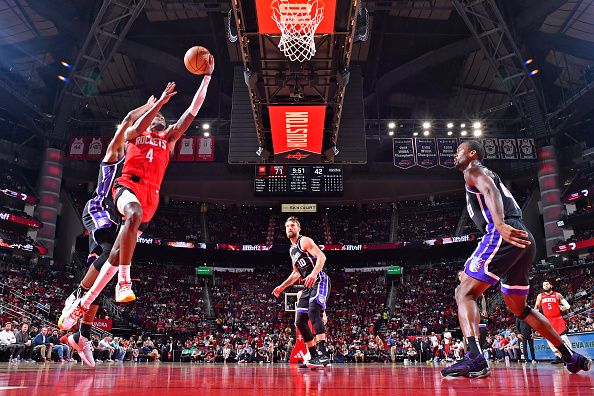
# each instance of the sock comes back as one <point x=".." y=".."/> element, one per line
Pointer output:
<point x="107" y="272"/>
<point x="85" y="330"/>
<point x="473" y="347"/>
<point x="322" y="347"/>
<point x="312" y="351"/>
<point x="565" y="352"/>
<point x="124" y="274"/>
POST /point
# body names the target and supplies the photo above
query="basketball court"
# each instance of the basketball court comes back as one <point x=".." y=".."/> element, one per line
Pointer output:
<point x="541" y="379"/>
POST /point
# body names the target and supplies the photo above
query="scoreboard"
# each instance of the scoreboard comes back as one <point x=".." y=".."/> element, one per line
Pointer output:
<point x="295" y="180"/>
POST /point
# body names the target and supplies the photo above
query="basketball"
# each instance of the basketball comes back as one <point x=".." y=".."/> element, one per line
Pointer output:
<point x="196" y="60"/>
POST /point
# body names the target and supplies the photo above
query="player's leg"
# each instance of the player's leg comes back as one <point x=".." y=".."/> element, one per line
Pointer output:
<point x="468" y="311"/>
<point x="316" y="307"/>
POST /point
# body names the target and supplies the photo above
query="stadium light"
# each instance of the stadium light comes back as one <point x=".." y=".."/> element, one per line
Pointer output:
<point x="425" y="133"/>
<point x="206" y="126"/>
<point x="462" y="125"/>
<point x="62" y="78"/>
<point x="463" y="133"/>
<point x="476" y="125"/>
<point x="426" y="125"/>
<point x="528" y="61"/>
<point x="66" y="64"/>
<point x="206" y="134"/>
<point x="450" y="125"/>
<point x="450" y="133"/>
<point x="477" y="132"/>
<point x="534" y="72"/>
<point x="416" y="134"/>
<point x="392" y="125"/>
<point x="391" y="133"/>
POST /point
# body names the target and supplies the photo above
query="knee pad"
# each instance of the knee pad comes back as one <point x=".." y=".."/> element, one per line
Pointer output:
<point x="301" y="322"/>
<point x="527" y="310"/>
<point x="98" y="263"/>
<point x="315" y="316"/>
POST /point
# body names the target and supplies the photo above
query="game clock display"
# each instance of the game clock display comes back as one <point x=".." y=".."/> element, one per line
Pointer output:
<point x="305" y="180"/>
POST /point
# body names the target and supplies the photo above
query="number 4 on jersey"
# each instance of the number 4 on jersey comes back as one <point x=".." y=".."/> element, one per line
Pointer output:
<point x="149" y="155"/>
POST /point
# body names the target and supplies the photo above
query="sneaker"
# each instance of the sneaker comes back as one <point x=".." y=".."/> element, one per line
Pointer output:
<point x="84" y="347"/>
<point x="558" y="360"/>
<point x="578" y="362"/>
<point x="71" y="317"/>
<point x="471" y="368"/>
<point x="124" y="292"/>
<point x="75" y="295"/>
<point x="318" y="362"/>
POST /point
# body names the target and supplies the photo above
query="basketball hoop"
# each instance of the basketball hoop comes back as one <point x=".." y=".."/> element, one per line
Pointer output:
<point x="297" y="22"/>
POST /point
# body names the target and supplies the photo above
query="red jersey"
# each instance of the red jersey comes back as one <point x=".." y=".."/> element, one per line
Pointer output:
<point x="550" y="305"/>
<point x="147" y="157"/>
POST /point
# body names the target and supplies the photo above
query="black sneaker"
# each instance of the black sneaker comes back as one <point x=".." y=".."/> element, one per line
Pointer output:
<point x="558" y="360"/>
<point x="302" y="365"/>
<point x="318" y="361"/>
<point x="578" y="362"/>
<point x="471" y="368"/>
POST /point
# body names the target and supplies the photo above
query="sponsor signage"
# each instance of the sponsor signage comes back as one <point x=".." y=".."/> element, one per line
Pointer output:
<point x="32" y="223"/>
<point x="103" y="324"/>
<point x="300" y="208"/>
<point x="27" y="247"/>
<point x="19" y="195"/>
<point x="297" y="132"/>
<point x="579" y="194"/>
<point x="573" y="246"/>
<point x="581" y="343"/>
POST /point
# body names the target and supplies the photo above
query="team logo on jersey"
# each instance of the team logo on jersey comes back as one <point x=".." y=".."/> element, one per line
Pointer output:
<point x="476" y="264"/>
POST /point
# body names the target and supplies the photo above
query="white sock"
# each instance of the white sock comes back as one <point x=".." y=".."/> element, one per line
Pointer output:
<point x="124" y="274"/>
<point x="106" y="274"/>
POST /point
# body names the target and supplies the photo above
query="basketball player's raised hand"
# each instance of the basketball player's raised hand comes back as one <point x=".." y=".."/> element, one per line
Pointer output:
<point x="211" y="65"/>
<point x="168" y="92"/>
<point x="151" y="101"/>
<point x="514" y="236"/>
<point x="277" y="291"/>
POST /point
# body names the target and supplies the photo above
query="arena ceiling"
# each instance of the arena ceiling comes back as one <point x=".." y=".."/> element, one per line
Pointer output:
<point x="420" y="61"/>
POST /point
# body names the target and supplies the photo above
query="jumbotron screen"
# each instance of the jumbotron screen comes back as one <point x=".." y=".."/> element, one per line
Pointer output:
<point x="303" y="180"/>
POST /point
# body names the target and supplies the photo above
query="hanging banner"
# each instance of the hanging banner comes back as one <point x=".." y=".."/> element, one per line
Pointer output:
<point x="491" y="148"/>
<point x="426" y="151"/>
<point x="508" y="149"/>
<point x="186" y="149"/>
<point x="297" y="132"/>
<point x="404" y="153"/>
<point x="526" y="149"/>
<point x="205" y="150"/>
<point x="96" y="148"/>
<point x="446" y="148"/>
<point x="76" y="147"/>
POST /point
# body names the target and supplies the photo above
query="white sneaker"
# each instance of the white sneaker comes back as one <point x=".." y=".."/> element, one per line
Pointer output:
<point x="124" y="293"/>
<point x="71" y="316"/>
<point x="71" y="299"/>
<point x="84" y="347"/>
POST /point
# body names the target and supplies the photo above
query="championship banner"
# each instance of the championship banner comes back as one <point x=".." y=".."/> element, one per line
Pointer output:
<point x="491" y="148"/>
<point x="404" y="153"/>
<point x="77" y="147"/>
<point x="297" y="132"/>
<point x="446" y="148"/>
<point x="508" y="149"/>
<point x="573" y="246"/>
<point x="582" y="343"/>
<point x="526" y="149"/>
<point x="20" y="196"/>
<point x="185" y="149"/>
<point x="103" y="324"/>
<point x="426" y="151"/>
<point x="205" y="150"/>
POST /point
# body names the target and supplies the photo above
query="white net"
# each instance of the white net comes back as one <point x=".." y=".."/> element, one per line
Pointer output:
<point x="297" y="22"/>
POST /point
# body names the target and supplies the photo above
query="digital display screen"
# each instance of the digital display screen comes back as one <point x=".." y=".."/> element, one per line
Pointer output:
<point x="305" y="180"/>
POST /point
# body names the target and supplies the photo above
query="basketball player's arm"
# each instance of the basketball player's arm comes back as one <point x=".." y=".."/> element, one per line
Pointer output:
<point x="118" y="139"/>
<point x="294" y="277"/>
<point x="308" y="245"/>
<point x="476" y="177"/>
<point x="181" y="126"/>
<point x="563" y="304"/>
<point x="142" y="124"/>
<point x="537" y="303"/>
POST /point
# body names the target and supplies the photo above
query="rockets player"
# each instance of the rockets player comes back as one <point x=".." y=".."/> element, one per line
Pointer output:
<point x="553" y="304"/>
<point x="136" y="192"/>
<point x="504" y="255"/>
<point x="102" y="222"/>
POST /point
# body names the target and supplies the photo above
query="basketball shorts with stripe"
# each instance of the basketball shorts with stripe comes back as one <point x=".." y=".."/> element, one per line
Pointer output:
<point x="494" y="260"/>
<point x="317" y="294"/>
